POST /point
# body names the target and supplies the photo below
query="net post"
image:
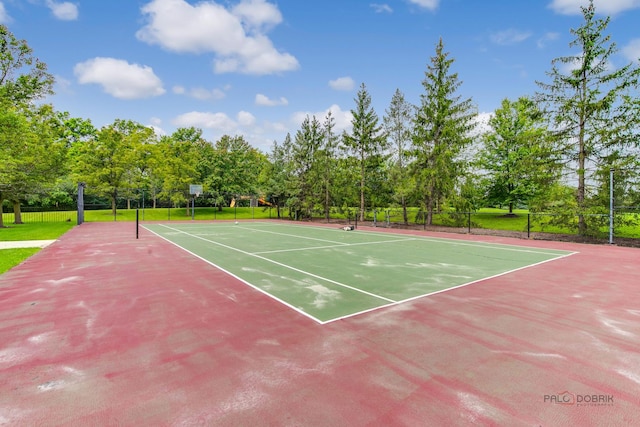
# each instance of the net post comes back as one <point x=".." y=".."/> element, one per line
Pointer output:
<point x="81" y="186"/>
<point x="611" y="207"/>
<point x="137" y="223"/>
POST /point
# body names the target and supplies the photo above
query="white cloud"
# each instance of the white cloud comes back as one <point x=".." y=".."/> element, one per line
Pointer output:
<point x="62" y="84"/>
<point x="342" y="83"/>
<point x="4" y="16"/>
<point x="204" y="94"/>
<point x="64" y="11"/>
<point x="156" y="125"/>
<point x="509" y="37"/>
<point x="427" y="4"/>
<point x="246" y="119"/>
<point x="546" y="38"/>
<point x="199" y="92"/>
<point x="264" y="101"/>
<point x="119" y="78"/>
<point x="605" y="7"/>
<point x="482" y="123"/>
<point x="381" y="8"/>
<point x="204" y="120"/>
<point x="342" y="119"/>
<point x="236" y="37"/>
<point x="257" y="14"/>
<point x="632" y="50"/>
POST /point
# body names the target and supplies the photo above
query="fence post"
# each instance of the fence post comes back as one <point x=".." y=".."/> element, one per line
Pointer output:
<point x="528" y="225"/>
<point x="469" y="222"/>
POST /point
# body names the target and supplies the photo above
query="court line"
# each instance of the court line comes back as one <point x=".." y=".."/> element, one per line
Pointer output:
<point x="449" y="289"/>
<point x="281" y="264"/>
<point x="239" y="278"/>
<point x="293" y="235"/>
<point x="345" y="245"/>
<point x="487" y="245"/>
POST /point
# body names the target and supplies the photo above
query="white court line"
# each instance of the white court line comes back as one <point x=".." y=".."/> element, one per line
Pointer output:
<point x="293" y="235"/>
<point x="281" y="264"/>
<point x="449" y="289"/>
<point x="487" y="245"/>
<point x="345" y="245"/>
<point x="239" y="278"/>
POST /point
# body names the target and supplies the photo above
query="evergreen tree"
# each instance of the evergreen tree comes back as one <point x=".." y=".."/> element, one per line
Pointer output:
<point x="397" y="124"/>
<point x="366" y="143"/>
<point x="442" y="129"/>
<point x="328" y="163"/>
<point x="307" y="168"/>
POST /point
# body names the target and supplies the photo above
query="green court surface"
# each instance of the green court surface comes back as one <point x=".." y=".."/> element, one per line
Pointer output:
<point x="329" y="274"/>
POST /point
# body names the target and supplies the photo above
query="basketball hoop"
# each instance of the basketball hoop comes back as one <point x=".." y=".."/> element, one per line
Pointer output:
<point x="195" y="190"/>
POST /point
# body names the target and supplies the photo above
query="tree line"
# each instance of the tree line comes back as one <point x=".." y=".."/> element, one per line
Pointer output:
<point x="551" y="151"/>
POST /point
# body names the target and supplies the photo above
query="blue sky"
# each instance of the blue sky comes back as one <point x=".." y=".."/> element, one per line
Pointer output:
<point x="256" y="68"/>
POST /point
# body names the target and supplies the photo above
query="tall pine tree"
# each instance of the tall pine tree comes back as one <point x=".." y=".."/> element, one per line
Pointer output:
<point x="397" y="123"/>
<point x="367" y="141"/>
<point x="442" y="129"/>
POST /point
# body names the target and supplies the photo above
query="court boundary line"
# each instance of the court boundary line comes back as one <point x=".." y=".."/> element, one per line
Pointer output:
<point x="344" y="245"/>
<point x="237" y="277"/>
<point x="293" y="235"/>
<point x="281" y="264"/>
<point x="452" y="288"/>
<point x="449" y="240"/>
<point x="557" y="256"/>
<point x="479" y="244"/>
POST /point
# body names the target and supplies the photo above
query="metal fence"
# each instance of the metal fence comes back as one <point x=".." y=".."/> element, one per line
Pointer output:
<point x="31" y="215"/>
<point x="521" y="224"/>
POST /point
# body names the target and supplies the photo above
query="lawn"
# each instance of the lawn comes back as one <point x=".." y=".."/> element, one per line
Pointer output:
<point x="9" y="258"/>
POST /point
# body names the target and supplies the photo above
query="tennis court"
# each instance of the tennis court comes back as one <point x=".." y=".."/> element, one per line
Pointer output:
<point x="329" y="273"/>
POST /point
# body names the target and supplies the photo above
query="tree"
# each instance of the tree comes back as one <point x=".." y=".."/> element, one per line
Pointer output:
<point x="23" y="78"/>
<point x="327" y="159"/>
<point x="30" y="154"/>
<point x="236" y="168"/>
<point x="276" y="175"/>
<point x="173" y="165"/>
<point x="307" y="169"/>
<point x="591" y="106"/>
<point x="108" y="163"/>
<point x="366" y="142"/>
<point x="518" y="158"/>
<point x="397" y="124"/>
<point x="442" y="129"/>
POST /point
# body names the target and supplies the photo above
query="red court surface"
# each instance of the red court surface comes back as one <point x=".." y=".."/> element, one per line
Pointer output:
<point x="102" y="329"/>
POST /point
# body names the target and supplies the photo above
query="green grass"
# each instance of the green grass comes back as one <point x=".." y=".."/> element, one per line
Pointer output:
<point x="9" y="258"/>
<point x="34" y="231"/>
